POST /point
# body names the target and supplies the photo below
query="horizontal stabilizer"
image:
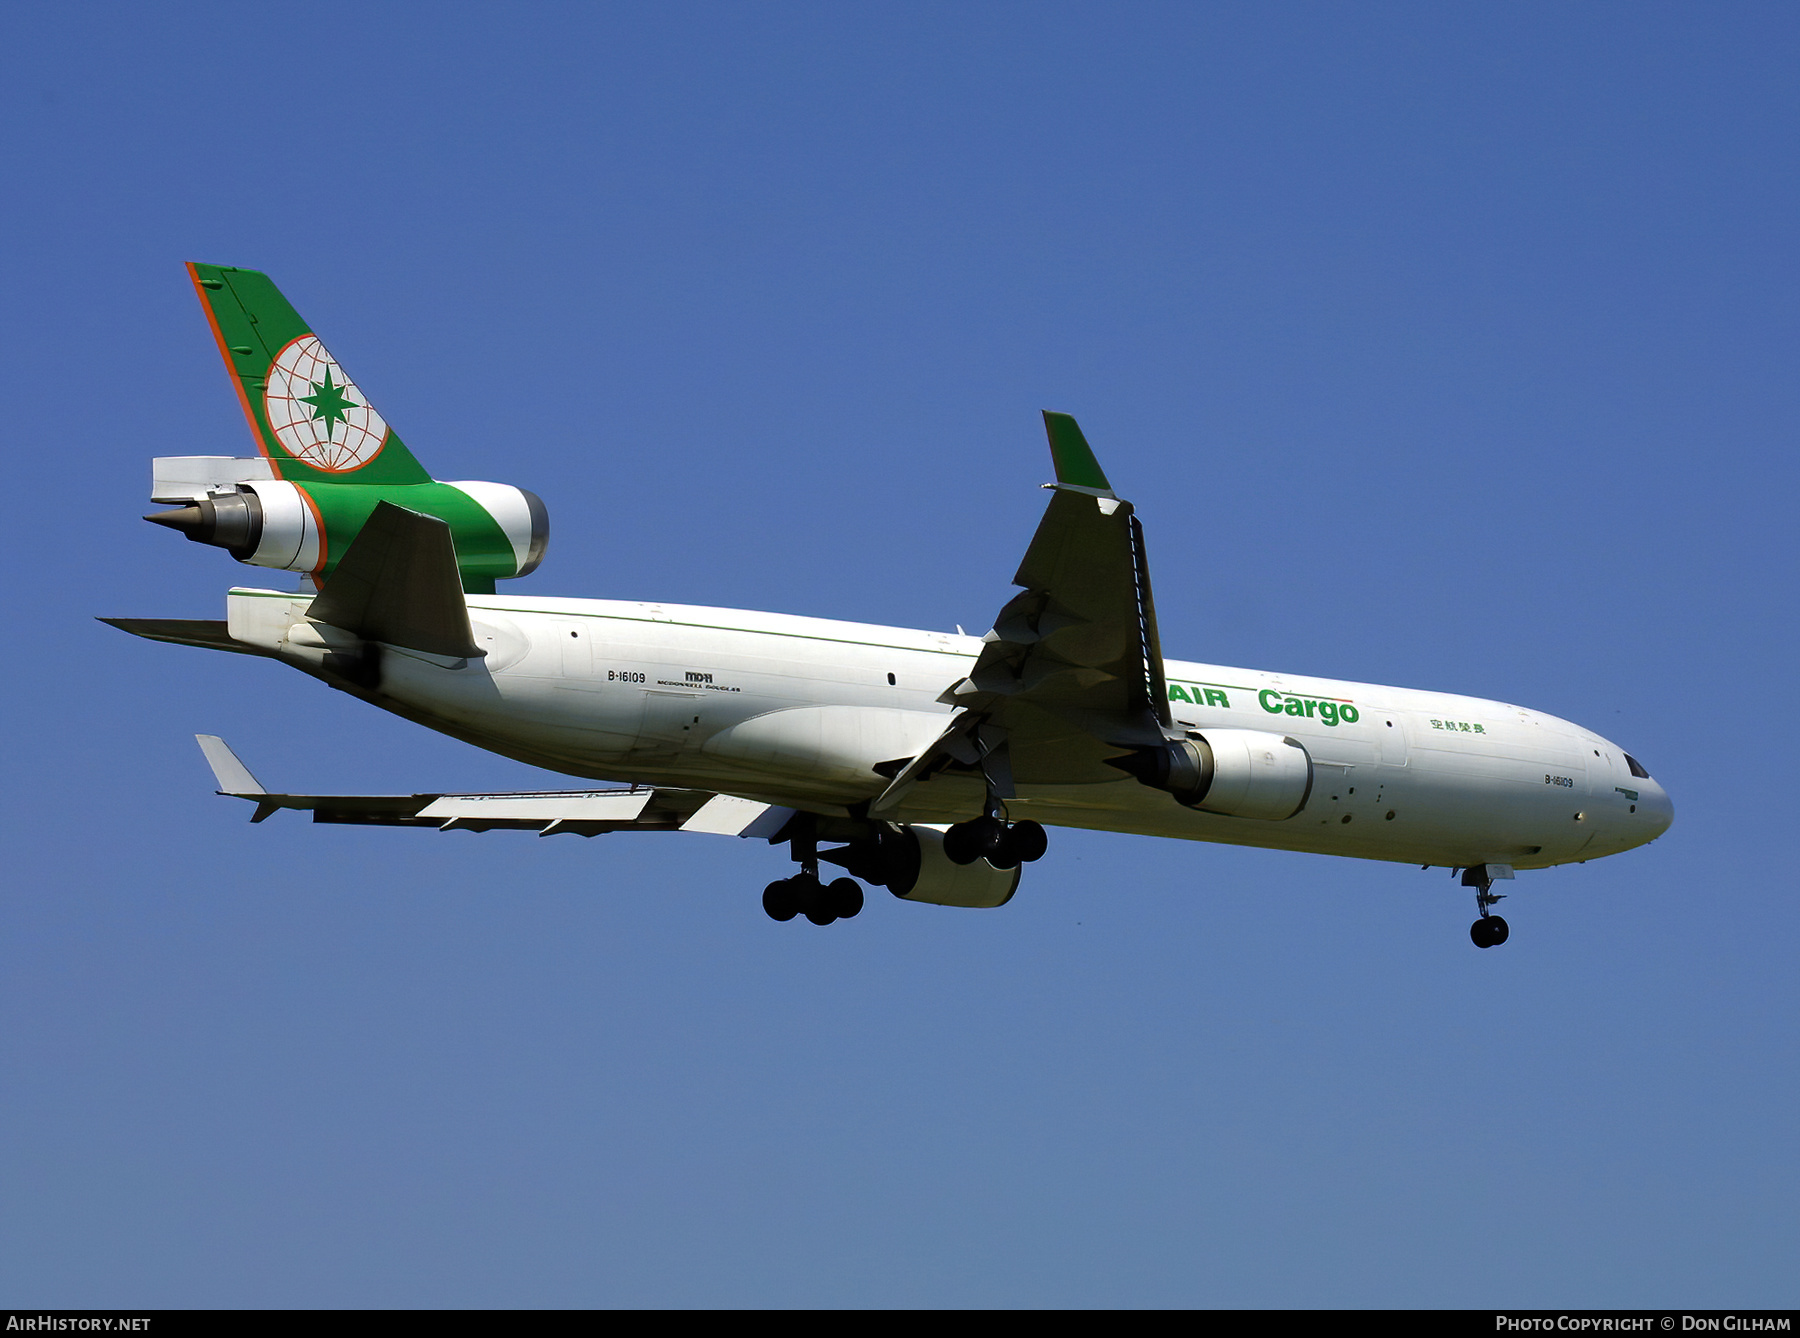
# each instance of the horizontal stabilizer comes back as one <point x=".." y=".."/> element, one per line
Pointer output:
<point x="208" y="634"/>
<point x="398" y="583"/>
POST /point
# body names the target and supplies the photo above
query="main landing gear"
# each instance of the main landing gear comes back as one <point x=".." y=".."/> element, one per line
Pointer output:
<point x="909" y="862"/>
<point x="806" y="894"/>
<point x="989" y="837"/>
<point x="1490" y="930"/>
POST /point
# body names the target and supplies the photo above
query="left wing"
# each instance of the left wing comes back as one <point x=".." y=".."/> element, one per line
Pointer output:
<point x="1071" y="676"/>
<point x="548" y="813"/>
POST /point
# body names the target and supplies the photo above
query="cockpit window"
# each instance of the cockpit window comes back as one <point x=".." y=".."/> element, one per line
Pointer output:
<point x="1637" y="767"/>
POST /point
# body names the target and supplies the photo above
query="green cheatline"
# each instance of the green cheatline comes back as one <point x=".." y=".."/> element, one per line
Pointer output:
<point x="329" y="403"/>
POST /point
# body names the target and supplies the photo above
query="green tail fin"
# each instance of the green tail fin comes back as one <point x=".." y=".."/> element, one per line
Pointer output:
<point x="307" y="416"/>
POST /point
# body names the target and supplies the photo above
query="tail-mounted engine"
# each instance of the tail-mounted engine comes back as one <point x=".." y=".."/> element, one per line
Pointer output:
<point x="499" y="531"/>
<point x="1241" y="773"/>
<point x="327" y="458"/>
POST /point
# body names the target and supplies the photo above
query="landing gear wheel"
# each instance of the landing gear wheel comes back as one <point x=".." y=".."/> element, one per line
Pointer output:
<point x="845" y="897"/>
<point x="1489" y="931"/>
<point x="978" y="838"/>
<point x="778" y="901"/>
<point x="808" y="897"/>
<point x="969" y="841"/>
<point x="1028" y="841"/>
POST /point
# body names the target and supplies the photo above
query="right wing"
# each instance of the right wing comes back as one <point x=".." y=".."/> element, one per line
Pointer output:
<point x="1071" y="676"/>
<point x="547" y="812"/>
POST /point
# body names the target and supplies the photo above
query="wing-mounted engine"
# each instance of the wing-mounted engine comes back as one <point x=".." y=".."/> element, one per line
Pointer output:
<point x="1240" y="773"/>
<point x="910" y="862"/>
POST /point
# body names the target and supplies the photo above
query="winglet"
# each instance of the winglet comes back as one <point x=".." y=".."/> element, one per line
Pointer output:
<point x="1075" y="463"/>
<point x="233" y="776"/>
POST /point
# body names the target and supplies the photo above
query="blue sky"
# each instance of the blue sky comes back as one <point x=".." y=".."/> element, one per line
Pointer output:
<point x="1451" y="347"/>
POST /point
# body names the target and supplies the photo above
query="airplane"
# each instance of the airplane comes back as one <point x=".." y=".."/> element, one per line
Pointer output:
<point x="925" y="762"/>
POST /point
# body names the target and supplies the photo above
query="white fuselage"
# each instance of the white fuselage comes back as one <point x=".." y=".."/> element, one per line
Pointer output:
<point x="799" y="711"/>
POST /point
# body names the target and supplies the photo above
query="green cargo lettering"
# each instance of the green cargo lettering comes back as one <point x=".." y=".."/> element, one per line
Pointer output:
<point x="1201" y="696"/>
<point x="1330" y="712"/>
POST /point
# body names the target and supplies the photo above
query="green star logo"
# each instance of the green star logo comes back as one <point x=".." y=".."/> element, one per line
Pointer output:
<point x="329" y="403"/>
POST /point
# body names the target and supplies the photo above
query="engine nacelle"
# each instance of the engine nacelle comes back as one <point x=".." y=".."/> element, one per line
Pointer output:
<point x="1240" y="773"/>
<point x="266" y="524"/>
<point x="910" y="862"/>
<point x="500" y="531"/>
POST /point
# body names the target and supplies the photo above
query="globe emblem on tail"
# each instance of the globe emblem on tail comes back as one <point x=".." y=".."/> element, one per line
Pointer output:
<point x="317" y="412"/>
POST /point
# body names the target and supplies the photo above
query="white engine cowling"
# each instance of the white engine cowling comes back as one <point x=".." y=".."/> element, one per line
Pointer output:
<point x="287" y="531"/>
<point x="918" y="870"/>
<point x="267" y="523"/>
<point x="519" y="514"/>
<point x="1240" y="773"/>
<point x="1255" y="774"/>
<point x="500" y="531"/>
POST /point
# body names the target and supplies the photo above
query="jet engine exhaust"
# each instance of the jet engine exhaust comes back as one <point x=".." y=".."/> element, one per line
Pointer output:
<point x="233" y="522"/>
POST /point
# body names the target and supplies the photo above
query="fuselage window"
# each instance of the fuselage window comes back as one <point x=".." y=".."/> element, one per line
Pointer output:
<point x="1637" y="767"/>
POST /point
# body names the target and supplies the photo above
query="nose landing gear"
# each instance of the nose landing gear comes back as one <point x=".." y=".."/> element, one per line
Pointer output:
<point x="1490" y="931"/>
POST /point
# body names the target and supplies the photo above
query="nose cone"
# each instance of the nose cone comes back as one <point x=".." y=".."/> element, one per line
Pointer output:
<point x="1655" y="805"/>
